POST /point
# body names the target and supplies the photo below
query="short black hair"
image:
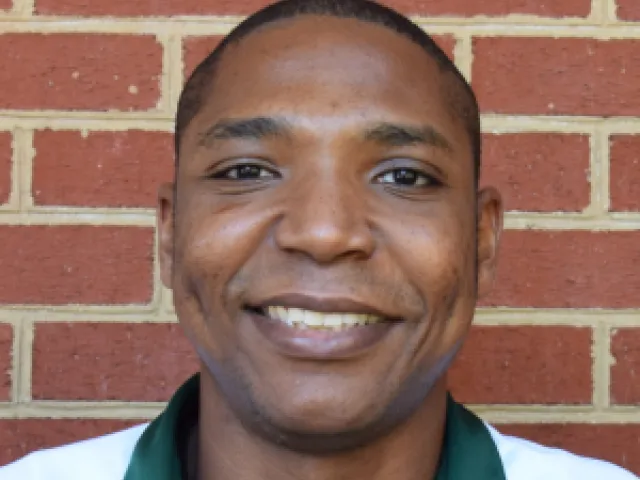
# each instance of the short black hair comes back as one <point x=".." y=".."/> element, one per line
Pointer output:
<point x="465" y="103"/>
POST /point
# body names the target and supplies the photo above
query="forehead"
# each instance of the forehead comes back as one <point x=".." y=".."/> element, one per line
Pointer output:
<point x="333" y="69"/>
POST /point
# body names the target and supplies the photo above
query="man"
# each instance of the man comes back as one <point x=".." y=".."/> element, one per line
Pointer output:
<point x="326" y="242"/>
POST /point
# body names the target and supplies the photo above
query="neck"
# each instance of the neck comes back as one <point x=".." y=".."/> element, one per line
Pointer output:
<point x="227" y="451"/>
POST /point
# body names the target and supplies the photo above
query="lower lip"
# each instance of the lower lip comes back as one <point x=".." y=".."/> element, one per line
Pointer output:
<point x="321" y="344"/>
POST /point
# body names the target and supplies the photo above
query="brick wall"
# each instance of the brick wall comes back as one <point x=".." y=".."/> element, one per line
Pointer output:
<point x="87" y="95"/>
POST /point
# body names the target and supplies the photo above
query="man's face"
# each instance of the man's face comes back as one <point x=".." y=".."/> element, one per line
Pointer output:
<point x="325" y="236"/>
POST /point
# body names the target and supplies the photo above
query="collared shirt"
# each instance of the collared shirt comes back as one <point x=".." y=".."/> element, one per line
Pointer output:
<point x="469" y="452"/>
<point x="472" y="450"/>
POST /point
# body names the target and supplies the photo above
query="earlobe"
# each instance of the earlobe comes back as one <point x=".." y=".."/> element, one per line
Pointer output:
<point x="490" y="218"/>
<point x="165" y="217"/>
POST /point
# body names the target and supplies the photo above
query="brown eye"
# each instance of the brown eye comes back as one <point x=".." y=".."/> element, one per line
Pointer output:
<point x="406" y="177"/>
<point x="245" y="172"/>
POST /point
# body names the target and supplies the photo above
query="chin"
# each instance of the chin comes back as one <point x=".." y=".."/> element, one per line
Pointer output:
<point x="333" y="421"/>
<point x="324" y="419"/>
<point x="322" y="434"/>
<point x="319" y="420"/>
<point x="338" y="420"/>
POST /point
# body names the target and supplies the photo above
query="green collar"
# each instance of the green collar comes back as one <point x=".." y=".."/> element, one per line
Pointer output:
<point x="469" y="452"/>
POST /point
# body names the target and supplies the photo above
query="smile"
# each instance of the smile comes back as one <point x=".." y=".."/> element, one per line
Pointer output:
<point x="320" y="327"/>
<point x="301" y="318"/>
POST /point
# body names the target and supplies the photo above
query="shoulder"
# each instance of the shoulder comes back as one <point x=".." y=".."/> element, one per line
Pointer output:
<point x="103" y="458"/>
<point x="524" y="460"/>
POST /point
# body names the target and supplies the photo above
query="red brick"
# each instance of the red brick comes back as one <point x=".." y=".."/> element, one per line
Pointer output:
<point x="557" y="76"/>
<point x="101" y="169"/>
<point x="243" y="7"/>
<point x="625" y="371"/>
<point x="196" y="49"/>
<point x="143" y="362"/>
<point x="619" y="444"/>
<point x="568" y="269"/>
<point x="5" y="166"/>
<point x="524" y="365"/>
<point x="20" y="437"/>
<point x="6" y="345"/>
<point x="6" y="4"/>
<point x="60" y="265"/>
<point x="79" y="72"/>
<point x="625" y="173"/>
<point x="127" y="8"/>
<point x="564" y="8"/>
<point x="628" y="9"/>
<point x="538" y="172"/>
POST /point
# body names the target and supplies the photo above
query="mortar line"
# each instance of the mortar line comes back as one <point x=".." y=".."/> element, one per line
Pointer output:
<point x="504" y="319"/>
<point x="505" y="123"/>
<point x="206" y="26"/>
<point x="24" y="154"/>
<point x="463" y="55"/>
<point x="79" y="216"/>
<point x="175" y="67"/>
<point x="48" y="312"/>
<point x="562" y="319"/>
<point x="66" y="120"/>
<point x="600" y="13"/>
<point x="599" y="172"/>
<point x="26" y="361"/>
<point x="79" y="315"/>
<point x="168" y="307"/>
<point x="498" y="416"/>
<point x="162" y="105"/>
<point x="602" y="386"/>
<point x="224" y="23"/>
<point x="611" y="10"/>
<point x="566" y="222"/>
<point x="82" y="410"/>
<point x="23" y="8"/>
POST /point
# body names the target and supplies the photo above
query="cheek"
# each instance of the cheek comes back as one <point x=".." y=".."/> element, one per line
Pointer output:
<point x="216" y="238"/>
<point x="213" y="242"/>
<point x="437" y="255"/>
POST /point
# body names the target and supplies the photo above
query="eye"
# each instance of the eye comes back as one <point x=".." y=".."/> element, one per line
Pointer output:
<point x="407" y="177"/>
<point x="246" y="171"/>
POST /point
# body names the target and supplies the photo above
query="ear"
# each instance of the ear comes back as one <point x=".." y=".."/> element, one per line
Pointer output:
<point x="165" y="216"/>
<point x="490" y="217"/>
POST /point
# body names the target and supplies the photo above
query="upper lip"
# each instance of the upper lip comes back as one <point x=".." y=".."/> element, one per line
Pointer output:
<point x="324" y="304"/>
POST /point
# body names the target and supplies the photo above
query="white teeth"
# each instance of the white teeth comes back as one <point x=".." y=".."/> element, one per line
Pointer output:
<point x="309" y="319"/>
<point x="333" y="320"/>
<point x="293" y="316"/>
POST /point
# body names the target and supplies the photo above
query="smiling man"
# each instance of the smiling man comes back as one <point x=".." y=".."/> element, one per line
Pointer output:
<point x="326" y="242"/>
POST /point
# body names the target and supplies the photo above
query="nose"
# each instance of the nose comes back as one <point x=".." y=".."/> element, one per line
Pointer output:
<point x="326" y="220"/>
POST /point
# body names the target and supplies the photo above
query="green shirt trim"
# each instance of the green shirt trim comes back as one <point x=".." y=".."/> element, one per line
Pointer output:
<point x="469" y="452"/>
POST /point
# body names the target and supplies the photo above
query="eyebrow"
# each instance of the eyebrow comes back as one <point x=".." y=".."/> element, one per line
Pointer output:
<point x="396" y="135"/>
<point x="256" y="128"/>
